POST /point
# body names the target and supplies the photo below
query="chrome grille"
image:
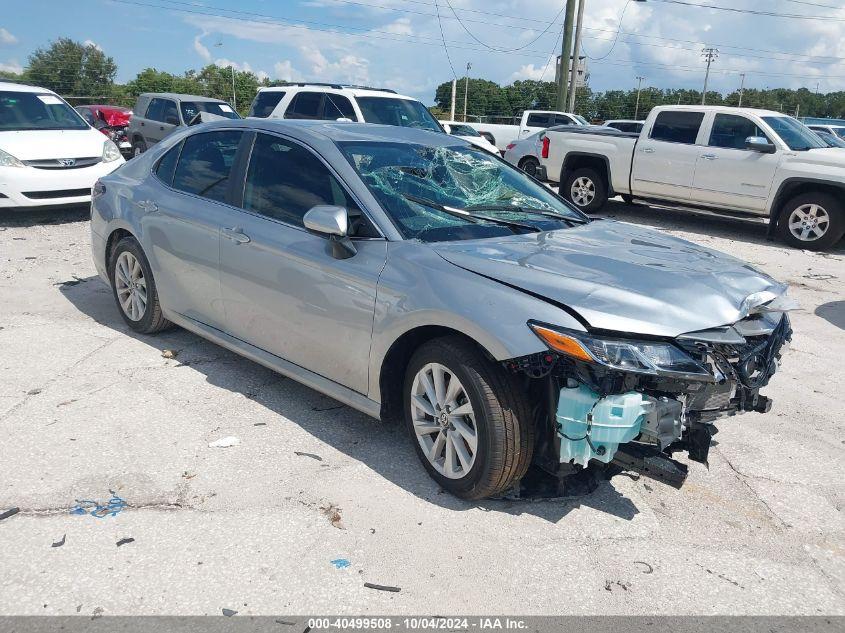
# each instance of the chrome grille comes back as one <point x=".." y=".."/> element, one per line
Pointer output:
<point x="63" y="163"/>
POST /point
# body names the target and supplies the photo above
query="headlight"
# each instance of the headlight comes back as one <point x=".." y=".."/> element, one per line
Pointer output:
<point x="644" y="357"/>
<point x="110" y="152"/>
<point x="7" y="160"/>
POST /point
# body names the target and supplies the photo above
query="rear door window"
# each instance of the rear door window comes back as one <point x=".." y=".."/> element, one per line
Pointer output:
<point x="305" y="105"/>
<point x="155" y="111"/>
<point x="265" y="102"/>
<point x="674" y="126"/>
<point x="336" y="107"/>
<point x="206" y="162"/>
<point x="541" y="119"/>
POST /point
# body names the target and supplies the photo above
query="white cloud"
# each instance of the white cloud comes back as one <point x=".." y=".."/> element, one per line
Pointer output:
<point x="286" y="72"/>
<point x="402" y="26"/>
<point x="530" y="71"/>
<point x="201" y="49"/>
<point x="11" y="66"/>
<point x="6" y="37"/>
<point x="346" y="68"/>
<point x="87" y="43"/>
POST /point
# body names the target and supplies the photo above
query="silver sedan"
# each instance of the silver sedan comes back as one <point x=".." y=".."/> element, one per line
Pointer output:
<point x="417" y="278"/>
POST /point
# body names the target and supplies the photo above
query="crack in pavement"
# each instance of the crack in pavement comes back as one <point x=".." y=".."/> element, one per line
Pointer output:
<point x="742" y="478"/>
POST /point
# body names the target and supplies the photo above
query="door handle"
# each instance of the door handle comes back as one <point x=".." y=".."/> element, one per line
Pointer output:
<point x="647" y="150"/>
<point x="709" y="156"/>
<point x="236" y="234"/>
<point x="148" y="206"/>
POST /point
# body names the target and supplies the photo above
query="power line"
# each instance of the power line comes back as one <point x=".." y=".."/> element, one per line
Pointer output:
<point x="443" y="37"/>
<point x="615" y="37"/>
<point x="505" y="50"/>
<point x="773" y="14"/>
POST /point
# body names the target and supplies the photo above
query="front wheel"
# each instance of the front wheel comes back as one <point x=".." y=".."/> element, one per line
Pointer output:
<point x="468" y="417"/>
<point x="585" y="189"/>
<point x="812" y="221"/>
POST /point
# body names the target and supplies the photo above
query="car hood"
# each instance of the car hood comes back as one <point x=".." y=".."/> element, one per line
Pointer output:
<point x="46" y="144"/>
<point x="621" y="277"/>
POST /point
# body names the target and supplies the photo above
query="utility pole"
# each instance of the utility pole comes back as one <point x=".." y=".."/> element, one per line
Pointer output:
<point x="466" y="91"/>
<point x="575" y="54"/>
<point x="639" y="87"/>
<point x="454" y="90"/>
<point x="234" y="98"/>
<point x="741" y="89"/>
<point x="565" y="53"/>
<point x="710" y="54"/>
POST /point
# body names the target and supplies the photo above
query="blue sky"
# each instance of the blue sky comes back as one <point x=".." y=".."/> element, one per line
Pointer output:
<point x="397" y="43"/>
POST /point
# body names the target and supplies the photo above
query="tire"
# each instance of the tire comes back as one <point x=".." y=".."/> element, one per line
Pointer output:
<point x="529" y="165"/>
<point x="139" y="146"/>
<point x="800" y="221"/>
<point x="148" y="320"/>
<point x="592" y="186"/>
<point x="500" y="414"/>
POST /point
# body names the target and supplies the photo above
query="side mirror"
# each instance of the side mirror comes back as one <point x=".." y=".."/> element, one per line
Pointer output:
<point x="760" y="144"/>
<point x="331" y="222"/>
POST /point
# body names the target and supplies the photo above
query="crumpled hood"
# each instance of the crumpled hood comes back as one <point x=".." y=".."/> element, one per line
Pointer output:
<point x="46" y="144"/>
<point x="621" y="277"/>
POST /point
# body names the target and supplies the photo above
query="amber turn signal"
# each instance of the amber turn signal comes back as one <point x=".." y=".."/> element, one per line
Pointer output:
<point x="561" y="342"/>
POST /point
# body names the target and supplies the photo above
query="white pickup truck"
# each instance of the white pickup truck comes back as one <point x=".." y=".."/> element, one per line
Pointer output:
<point x="501" y="134"/>
<point x="732" y="161"/>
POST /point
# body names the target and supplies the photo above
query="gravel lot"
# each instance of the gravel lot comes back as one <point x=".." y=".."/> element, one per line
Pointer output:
<point x="88" y="407"/>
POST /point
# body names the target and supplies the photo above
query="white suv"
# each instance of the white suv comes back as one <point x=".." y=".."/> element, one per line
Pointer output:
<point x="49" y="155"/>
<point x="334" y="102"/>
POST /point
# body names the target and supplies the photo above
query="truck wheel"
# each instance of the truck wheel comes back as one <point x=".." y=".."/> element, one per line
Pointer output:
<point x="585" y="189"/>
<point x="138" y="147"/>
<point x="468" y="418"/>
<point x="812" y="221"/>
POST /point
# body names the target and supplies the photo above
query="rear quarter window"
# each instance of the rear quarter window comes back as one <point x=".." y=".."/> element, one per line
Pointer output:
<point x="264" y="103"/>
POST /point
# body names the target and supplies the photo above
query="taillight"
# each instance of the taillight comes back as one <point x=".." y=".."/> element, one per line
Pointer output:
<point x="510" y="146"/>
<point x="546" y="142"/>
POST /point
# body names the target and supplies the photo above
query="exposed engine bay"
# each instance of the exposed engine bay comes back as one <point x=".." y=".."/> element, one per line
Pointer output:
<point x="590" y="408"/>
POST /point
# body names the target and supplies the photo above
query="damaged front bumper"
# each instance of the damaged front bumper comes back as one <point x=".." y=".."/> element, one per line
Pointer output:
<point x="595" y="411"/>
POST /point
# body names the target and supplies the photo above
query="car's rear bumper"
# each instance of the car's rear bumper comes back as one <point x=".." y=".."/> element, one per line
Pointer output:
<point x="30" y="187"/>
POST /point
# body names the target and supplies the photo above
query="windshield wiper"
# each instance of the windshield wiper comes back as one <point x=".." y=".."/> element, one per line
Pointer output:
<point x="526" y="210"/>
<point x="475" y="218"/>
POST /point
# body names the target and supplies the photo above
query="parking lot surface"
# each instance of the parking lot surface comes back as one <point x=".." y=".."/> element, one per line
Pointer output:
<point x="90" y="411"/>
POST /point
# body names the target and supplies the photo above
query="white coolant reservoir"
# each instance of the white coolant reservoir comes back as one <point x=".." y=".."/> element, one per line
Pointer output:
<point x="592" y="427"/>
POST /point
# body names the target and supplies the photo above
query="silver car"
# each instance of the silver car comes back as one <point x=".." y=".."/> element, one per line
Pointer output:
<point x="415" y="277"/>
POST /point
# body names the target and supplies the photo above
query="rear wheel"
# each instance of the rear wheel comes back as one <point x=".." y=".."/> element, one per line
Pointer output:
<point x="138" y="146"/>
<point x="468" y="418"/>
<point x="812" y="221"/>
<point x="134" y="288"/>
<point x="585" y="189"/>
<point x="529" y="165"/>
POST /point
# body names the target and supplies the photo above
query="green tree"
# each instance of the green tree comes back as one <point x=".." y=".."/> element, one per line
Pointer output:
<point x="73" y="69"/>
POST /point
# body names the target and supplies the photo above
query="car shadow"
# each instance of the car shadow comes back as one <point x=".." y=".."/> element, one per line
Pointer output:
<point x="26" y="217"/>
<point x="385" y="448"/>
<point x="833" y="312"/>
<point x="703" y="224"/>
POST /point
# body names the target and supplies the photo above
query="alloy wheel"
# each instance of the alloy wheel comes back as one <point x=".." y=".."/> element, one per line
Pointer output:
<point x="131" y="286"/>
<point x="444" y="421"/>
<point x="582" y="191"/>
<point x="809" y="222"/>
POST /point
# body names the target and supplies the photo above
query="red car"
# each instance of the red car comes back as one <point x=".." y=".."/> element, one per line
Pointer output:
<point x="111" y="121"/>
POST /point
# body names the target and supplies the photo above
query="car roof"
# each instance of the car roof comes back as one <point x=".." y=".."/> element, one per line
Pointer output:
<point x="12" y="86"/>
<point x="356" y="91"/>
<point x="178" y="96"/>
<point x="338" y="131"/>
<point x="721" y="109"/>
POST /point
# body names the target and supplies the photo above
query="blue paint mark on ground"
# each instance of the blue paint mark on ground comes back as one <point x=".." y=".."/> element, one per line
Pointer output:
<point x="341" y="563"/>
<point x="96" y="509"/>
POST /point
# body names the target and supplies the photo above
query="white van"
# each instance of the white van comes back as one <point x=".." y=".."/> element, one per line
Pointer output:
<point x="332" y="102"/>
<point x="49" y="155"/>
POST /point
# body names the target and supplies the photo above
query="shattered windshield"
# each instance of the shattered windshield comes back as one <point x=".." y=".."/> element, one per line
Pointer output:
<point x="455" y="193"/>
